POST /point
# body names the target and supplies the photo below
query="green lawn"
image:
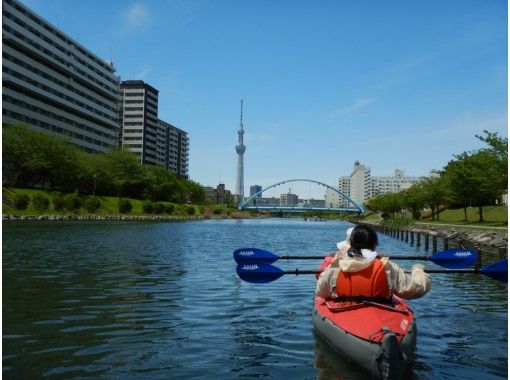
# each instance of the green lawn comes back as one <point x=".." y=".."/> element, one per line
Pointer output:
<point x="494" y="216"/>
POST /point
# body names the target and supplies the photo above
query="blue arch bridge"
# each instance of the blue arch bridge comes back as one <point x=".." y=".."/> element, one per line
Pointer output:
<point x="251" y="202"/>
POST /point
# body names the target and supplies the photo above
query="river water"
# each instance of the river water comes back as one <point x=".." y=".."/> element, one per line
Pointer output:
<point x="133" y="300"/>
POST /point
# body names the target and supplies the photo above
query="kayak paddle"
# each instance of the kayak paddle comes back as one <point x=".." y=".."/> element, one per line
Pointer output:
<point x="262" y="273"/>
<point x="459" y="258"/>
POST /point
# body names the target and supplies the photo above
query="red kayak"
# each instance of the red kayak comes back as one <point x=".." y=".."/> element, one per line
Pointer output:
<point x="380" y="337"/>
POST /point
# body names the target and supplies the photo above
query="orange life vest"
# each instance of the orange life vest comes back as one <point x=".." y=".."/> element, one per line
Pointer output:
<point x="370" y="282"/>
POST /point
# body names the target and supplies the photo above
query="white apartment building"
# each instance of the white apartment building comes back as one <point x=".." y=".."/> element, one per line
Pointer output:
<point x="385" y="185"/>
<point x="154" y="141"/>
<point x="173" y="148"/>
<point x="139" y="120"/>
<point x="331" y="199"/>
<point x="361" y="186"/>
<point x="53" y="84"/>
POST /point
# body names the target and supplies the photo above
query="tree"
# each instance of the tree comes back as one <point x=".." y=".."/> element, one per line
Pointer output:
<point x="414" y="200"/>
<point x="498" y="147"/>
<point x="128" y="175"/>
<point x="435" y="193"/>
<point x="34" y="158"/>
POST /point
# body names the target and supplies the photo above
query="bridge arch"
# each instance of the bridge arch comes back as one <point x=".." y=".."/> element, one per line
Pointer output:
<point x="357" y="207"/>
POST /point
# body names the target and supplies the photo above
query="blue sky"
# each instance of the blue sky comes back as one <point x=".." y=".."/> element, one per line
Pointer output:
<point x="399" y="84"/>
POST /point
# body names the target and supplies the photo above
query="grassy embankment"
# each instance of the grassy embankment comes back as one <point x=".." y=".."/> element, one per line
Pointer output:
<point x="109" y="206"/>
<point x="494" y="217"/>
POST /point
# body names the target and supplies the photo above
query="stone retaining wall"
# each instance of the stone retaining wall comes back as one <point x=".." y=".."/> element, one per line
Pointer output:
<point x="106" y="217"/>
<point x="434" y="237"/>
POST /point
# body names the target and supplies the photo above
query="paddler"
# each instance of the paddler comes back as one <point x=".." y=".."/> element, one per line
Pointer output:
<point x="359" y="271"/>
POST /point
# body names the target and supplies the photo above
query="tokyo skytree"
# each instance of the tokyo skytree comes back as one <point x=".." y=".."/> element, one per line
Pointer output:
<point x="240" y="149"/>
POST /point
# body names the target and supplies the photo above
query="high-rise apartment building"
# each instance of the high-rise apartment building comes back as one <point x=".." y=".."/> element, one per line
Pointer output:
<point x="384" y="185"/>
<point x="361" y="186"/>
<point x="344" y="186"/>
<point x="54" y="84"/>
<point x="359" y="183"/>
<point x="154" y="141"/>
<point x="174" y="150"/>
<point x="139" y="120"/>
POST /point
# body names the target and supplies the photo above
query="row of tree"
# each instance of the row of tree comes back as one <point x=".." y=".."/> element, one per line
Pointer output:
<point x="33" y="159"/>
<point x="476" y="178"/>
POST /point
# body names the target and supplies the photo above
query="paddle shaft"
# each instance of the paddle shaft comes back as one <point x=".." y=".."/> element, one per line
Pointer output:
<point x="303" y="271"/>
<point x="322" y="257"/>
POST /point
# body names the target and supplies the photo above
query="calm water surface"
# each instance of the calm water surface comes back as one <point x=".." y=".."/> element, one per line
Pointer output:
<point x="162" y="300"/>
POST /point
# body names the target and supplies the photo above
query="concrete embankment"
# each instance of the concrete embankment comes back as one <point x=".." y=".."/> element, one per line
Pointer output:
<point x="105" y="217"/>
<point x="431" y="237"/>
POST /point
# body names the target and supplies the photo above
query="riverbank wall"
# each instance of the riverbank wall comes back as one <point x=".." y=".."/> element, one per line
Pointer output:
<point x="106" y="217"/>
<point x="434" y="238"/>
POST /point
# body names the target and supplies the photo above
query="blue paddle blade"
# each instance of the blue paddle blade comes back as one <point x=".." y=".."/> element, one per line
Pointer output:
<point x="458" y="258"/>
<point x="254" y="255"/>
<point x="258" y="273"/>
<point x="498" y="270"/>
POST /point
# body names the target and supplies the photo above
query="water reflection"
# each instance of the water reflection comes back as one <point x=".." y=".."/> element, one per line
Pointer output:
<point x="161" y="300"/>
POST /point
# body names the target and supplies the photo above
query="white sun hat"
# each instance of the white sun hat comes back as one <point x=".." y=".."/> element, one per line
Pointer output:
<point x="342" y="244"/>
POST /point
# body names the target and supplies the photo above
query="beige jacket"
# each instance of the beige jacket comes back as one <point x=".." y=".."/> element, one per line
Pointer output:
<point x="412" y="286"/>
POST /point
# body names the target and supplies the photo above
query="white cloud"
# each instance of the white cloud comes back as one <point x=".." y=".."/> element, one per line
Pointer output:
<point x="359" y="104"/>
<point x="136" y="15"/>
<point x="142" y="74"/>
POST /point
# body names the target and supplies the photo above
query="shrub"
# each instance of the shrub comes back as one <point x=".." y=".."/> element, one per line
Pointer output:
<point x="169" y="209"/>
<point x="40" y="202"/>
<point x="92" y="204"/>
<point x="190" y="210"/>
<point x="147" y="207"/>
<point x="21" y="201"/>
<point x="58" y="202"/>
<point x="125" y="205"/>
<point x="217" y="210"/>
<point x="72" y="201"/>
<point x="158" y="208"/>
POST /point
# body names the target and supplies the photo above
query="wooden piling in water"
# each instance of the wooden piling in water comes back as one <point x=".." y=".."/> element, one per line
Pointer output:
<point x="434" y="244"/>
<point x="418" y="238"/>
<point x="407" y="236"/>
<point x="445" y="243"/>
<point x="426" y="242"/>
<point x="412" y="238"/>
<point x="479" y="250"/>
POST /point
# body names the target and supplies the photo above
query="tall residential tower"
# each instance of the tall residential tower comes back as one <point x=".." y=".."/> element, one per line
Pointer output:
<point x="240" y="149"/>
<point x="53" y="84"/>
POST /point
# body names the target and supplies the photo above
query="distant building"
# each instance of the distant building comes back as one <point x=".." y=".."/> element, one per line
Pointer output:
<point x="254" y="190"/>
<point x="288" y="199"/>
<point x="313" y="203"/>
<point x="385" y="185"/>
<point x="360" y="183"/>
<point x="219" y="194"/>
<point x="361" y="186"/>
<point x="54" y="84"/>
<point x="270" y="201"/>
<point x="331" y="199"/>
<point x="344" y="186"/>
